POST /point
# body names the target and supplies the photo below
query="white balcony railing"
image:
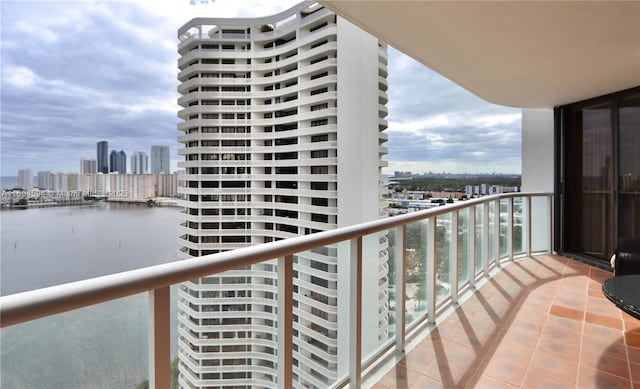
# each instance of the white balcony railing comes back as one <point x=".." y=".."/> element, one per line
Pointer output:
<point x="450" y="249"/>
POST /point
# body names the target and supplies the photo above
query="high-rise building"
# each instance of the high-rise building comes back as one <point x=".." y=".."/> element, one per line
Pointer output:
<point x="45" y="180"/>
<point x="88" y="166"/>
<point x="160" y="159"/>
<point x="283" y="121"/>
<point x="25" y="179"/>
<point x="139" y="162"/>
<point x="117" y="161"/>
<point x="102" y="157"/>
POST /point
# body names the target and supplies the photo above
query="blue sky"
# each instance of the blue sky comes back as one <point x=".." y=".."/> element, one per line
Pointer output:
<point x="76" y="72"/>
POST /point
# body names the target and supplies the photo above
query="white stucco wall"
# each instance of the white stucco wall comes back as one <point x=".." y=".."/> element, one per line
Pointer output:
<point x="538" y="162"/>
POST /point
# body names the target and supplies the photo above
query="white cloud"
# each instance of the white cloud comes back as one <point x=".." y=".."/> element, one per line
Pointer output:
<point x="19" y="76"/>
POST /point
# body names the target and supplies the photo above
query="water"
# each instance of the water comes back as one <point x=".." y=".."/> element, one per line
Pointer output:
<point x="8" y="182"/>
<point x="103" y="346"/>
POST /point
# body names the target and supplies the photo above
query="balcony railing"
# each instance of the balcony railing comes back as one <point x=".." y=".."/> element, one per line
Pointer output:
<point x="442" y="253"/>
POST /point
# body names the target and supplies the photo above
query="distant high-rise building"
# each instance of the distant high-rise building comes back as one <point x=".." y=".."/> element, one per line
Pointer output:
<point x="139" y="162"/>
<point x="117" y="161"/>
<point x="283" y="122"/>
<point x="160" y="159"/>
<point x="88" y="166"/>
<point x="45" y="180"/>
<point x="25" y="179"/>
<point x="102" y="157"/>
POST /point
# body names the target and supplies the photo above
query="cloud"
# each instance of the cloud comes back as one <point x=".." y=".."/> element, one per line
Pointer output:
<point x="74" y="73"/>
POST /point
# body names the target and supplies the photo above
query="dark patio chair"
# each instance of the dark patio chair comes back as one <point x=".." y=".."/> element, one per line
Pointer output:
<point x="627" y="257"/>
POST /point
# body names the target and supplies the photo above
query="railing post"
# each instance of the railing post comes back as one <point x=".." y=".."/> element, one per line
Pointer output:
<point x="485" y="239"/>
<point x="510" y="228"/>
<point x="159" y="338"/>
<point x="431" y="270"/>
<point x="285" y="322"/>
<point x="471" y="248"/>
<point x="453" y="257"/>
<point x="550" y="203"/>
<point x="528" y="225"/>
<point x="496" y="232"/>
<point x="401" y="285"/>
<point x="355" y="313"/>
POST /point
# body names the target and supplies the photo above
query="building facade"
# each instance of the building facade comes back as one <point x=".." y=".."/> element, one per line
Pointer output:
<point x="139" y="162"/>
<point x="283" y="122"/>
<point x="160" y="159"/>
<point x="25" y="179"/>
<point x="102" y="157"/>
<point x="117" y="161"/>
<point x="88" y="166"/>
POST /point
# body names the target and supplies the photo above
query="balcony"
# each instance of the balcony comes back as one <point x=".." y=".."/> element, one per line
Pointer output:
<point x="496" y="307"/>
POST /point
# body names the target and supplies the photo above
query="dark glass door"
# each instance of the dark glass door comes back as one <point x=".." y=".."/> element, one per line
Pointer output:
<point x="589" y="193"/>
<point x="600" y="174"/>
<point x="629" y="167"/>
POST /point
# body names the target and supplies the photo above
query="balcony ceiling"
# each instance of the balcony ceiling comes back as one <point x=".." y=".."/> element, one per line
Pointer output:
<point x="521" y="54"/>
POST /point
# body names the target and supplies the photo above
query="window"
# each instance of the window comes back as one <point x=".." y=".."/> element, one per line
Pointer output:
<point x="319" y="154"/>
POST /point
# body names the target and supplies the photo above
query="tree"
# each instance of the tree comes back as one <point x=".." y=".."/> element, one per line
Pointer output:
<point x="174" y="377"/>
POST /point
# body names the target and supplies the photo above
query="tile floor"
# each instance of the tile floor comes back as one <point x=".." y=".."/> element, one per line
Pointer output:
<point x="542" y="322"/>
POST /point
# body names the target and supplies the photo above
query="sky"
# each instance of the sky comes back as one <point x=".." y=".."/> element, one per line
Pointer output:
<point x="77" y="72"/>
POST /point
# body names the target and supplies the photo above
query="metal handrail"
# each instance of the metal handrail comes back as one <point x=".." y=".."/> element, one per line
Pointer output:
<point x="34" y="304"/>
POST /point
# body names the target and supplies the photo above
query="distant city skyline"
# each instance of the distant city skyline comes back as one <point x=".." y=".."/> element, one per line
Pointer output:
<point x="128" y="93"/>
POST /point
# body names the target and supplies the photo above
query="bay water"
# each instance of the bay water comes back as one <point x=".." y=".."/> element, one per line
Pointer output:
<point x="103" y="346"/>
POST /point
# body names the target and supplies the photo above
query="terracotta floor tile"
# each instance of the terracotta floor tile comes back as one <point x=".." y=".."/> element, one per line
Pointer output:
<point x="592" y="378"/>
<point x="400" y="377"/>
<point x="605" y="363"/>
<point x="424" y="382"/>
<point x="596" y="292"/>
<point x="634" y="354"/>
<point x="538" y="380"/>
<point x="606" y="321"/>
<point x="614" y="349"/>
<point x="602" y="332"/>
<point x="529" y="328"/>
<point x="635" y="373"/>
<point x="568" y="313"/>
<point x="566" y="370"/>
<point x="602" y="307"/>
<point x="505" y="370"/>
<point x="630" y="322"/>
<point x="450" y="374"/>
<point x="417" y="359"/>
<point x="564" y="323"/>
<point x="561" y="334"/>
<point x="483" y="381"/>
<point x="632" y="339"/>
<point x="560" y="349"/>
<point x="459" y="354"/>
<point x="515" y="353"/>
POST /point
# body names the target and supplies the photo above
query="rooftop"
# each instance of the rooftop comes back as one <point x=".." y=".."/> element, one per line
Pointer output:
<point x="542" y="322"/>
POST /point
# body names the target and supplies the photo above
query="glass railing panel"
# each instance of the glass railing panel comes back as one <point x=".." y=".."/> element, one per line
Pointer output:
<point x="416" y="277"/>
<point x="540" y="223"/>
<point x="393" y="294"/>
<point x="463" y="255"/>
<point x="518" y="231"/>
<point x="230" y="312"/>
<point x="504" y="226"/>
<point x="443" y="249"/>
<point x="104" y="345"/>
<point x="479" y="233"/>
<point x="320" y="276"/>
<point x="378" y="327"/>
<point x="493" y="249"/>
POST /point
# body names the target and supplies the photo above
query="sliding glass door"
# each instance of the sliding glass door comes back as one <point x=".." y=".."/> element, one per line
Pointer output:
<point x="629" y="171"/>
<point x="600" y="174"/>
